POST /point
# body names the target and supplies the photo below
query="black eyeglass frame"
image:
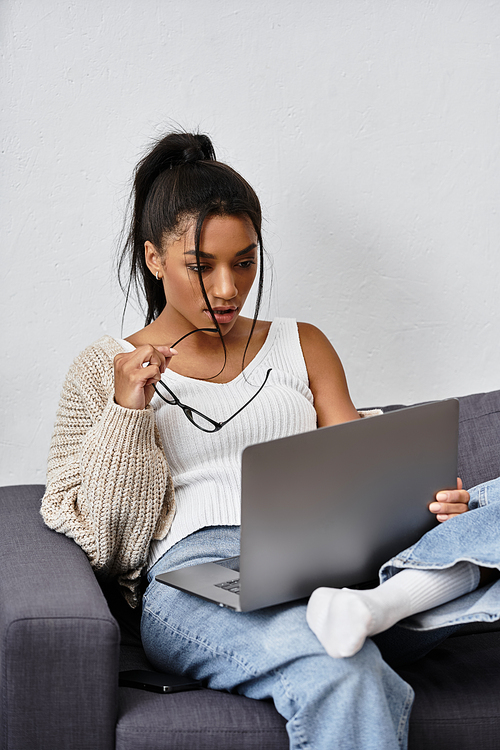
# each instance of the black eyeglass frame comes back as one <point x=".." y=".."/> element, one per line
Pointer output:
<point x="189" y="410"/>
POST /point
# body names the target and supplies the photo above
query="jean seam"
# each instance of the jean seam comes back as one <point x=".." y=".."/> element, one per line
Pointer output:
<point x="483" y="497"/>
<point x="405" y="715"/>
<point x="288" y="691"/>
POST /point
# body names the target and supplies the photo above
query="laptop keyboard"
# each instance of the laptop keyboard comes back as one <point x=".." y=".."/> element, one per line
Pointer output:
<point x="233" y="586"/>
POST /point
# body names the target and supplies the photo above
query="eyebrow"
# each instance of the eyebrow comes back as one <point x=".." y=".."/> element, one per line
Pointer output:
<point x="210" y="256"/>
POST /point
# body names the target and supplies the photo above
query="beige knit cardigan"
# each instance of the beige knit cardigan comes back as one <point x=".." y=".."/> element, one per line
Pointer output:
<point x="108" y="483"/>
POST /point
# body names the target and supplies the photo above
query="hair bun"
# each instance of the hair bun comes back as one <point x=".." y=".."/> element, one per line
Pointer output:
<point x="198" y="148"/>
<point x="175" y="150"/>
<point x="192" y="154"/>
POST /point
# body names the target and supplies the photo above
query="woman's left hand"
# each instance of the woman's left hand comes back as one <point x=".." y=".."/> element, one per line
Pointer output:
<point x="450" y="503"/>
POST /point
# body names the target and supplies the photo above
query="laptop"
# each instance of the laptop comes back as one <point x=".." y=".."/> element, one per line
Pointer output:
<point x="329" y="507"/>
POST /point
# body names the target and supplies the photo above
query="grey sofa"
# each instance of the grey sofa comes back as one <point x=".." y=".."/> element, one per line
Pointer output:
<point x="64" y="639"/>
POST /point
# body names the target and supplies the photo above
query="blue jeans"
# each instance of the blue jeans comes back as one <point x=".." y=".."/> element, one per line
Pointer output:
<point x="358" y="703"/>
<point x="271" y="653"/>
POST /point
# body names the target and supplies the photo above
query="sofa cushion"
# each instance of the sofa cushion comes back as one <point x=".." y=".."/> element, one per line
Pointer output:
<point x="202" y="719"/>
<point x="456" y="695"/>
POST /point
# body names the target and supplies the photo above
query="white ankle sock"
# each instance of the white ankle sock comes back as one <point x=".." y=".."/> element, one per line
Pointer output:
<point x="343" y="618"/>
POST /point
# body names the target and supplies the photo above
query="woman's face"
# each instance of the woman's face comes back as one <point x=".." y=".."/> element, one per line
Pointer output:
<point x="228" y="263"/>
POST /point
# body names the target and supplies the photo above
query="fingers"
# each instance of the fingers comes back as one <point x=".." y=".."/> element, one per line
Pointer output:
<point x="165" y="353"/>
<point x="158" y="356"/>
<point x="450" y="503"/>
<point x="157" y="363"/>
<point x="135" y="373"/>
<point x="449" y="512"/>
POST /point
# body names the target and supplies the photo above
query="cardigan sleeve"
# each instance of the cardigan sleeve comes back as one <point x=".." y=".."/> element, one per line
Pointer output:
<point x="108" y="483"/>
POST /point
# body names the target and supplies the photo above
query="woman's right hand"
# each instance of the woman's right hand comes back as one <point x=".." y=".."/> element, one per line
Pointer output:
<point x="137" y="372"/>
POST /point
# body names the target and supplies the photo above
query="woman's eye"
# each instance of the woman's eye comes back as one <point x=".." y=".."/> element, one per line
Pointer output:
<point x="246" y="263"/>
<point x="197" y="269"/>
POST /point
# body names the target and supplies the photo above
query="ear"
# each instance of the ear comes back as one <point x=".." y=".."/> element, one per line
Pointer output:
<point x="153" y="259"/>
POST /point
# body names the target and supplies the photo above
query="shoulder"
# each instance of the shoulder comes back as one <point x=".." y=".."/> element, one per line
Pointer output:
<point x="91" y="372"/>
<point x="327" y="379"/>
<point x="319" y="354"/>
<point x="102" y="351"/>
<point x="313" y="340"/>
<point x="308" y="331"/>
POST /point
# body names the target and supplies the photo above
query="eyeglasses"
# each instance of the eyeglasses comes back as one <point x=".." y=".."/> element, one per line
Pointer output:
<point x="201" y="421"/>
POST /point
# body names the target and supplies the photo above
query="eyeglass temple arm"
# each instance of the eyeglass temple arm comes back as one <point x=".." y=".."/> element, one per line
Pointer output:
<point x="208" y="330"/>
<point x="248" y="402"/>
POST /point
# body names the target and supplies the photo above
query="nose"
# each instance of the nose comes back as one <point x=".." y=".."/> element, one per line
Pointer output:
<point x="224" y="286"/>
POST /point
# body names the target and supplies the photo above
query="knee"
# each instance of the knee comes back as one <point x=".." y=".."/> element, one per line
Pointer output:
<point x="319" y="684"/>
<point x="317" y="671"/>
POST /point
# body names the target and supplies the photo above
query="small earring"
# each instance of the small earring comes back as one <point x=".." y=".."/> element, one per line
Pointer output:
<point x="157" y="279"/>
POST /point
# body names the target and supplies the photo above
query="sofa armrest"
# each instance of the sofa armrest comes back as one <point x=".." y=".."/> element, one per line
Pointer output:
<point x="59" y="644"/>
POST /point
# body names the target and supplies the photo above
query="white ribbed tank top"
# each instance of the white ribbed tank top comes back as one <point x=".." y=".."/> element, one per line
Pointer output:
<point x="206" y="467"/>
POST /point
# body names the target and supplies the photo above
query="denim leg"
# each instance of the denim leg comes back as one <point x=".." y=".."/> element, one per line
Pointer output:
<point x="472" y="536"/>
<point x="355" y="704"/>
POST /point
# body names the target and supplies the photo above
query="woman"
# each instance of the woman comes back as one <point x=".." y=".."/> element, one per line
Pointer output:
<point x="173" y="405"/>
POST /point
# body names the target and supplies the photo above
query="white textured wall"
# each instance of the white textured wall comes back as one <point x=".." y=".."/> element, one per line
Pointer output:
<point x="370" y="129"/>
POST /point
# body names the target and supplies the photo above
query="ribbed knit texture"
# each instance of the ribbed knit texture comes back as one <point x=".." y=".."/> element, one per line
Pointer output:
<point x="206" y="467"/>
<point x="108" y="483"/>
<point x="413" y="591"/>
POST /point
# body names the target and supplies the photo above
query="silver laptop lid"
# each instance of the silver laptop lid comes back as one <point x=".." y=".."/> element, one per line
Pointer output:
<point x="344" y="500"/>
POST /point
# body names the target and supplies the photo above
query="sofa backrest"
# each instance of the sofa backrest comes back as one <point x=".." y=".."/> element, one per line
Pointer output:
<point x="479" y="438"/>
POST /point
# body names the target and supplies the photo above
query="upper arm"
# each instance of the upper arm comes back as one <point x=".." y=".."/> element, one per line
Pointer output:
<point x="107" y="477"/>
<point x="327" y="379"/>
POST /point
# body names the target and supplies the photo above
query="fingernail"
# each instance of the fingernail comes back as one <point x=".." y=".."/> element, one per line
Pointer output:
<point x="442" y="496"/>
<point x="173" y="351"/>
<point x="435" y="507"/>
